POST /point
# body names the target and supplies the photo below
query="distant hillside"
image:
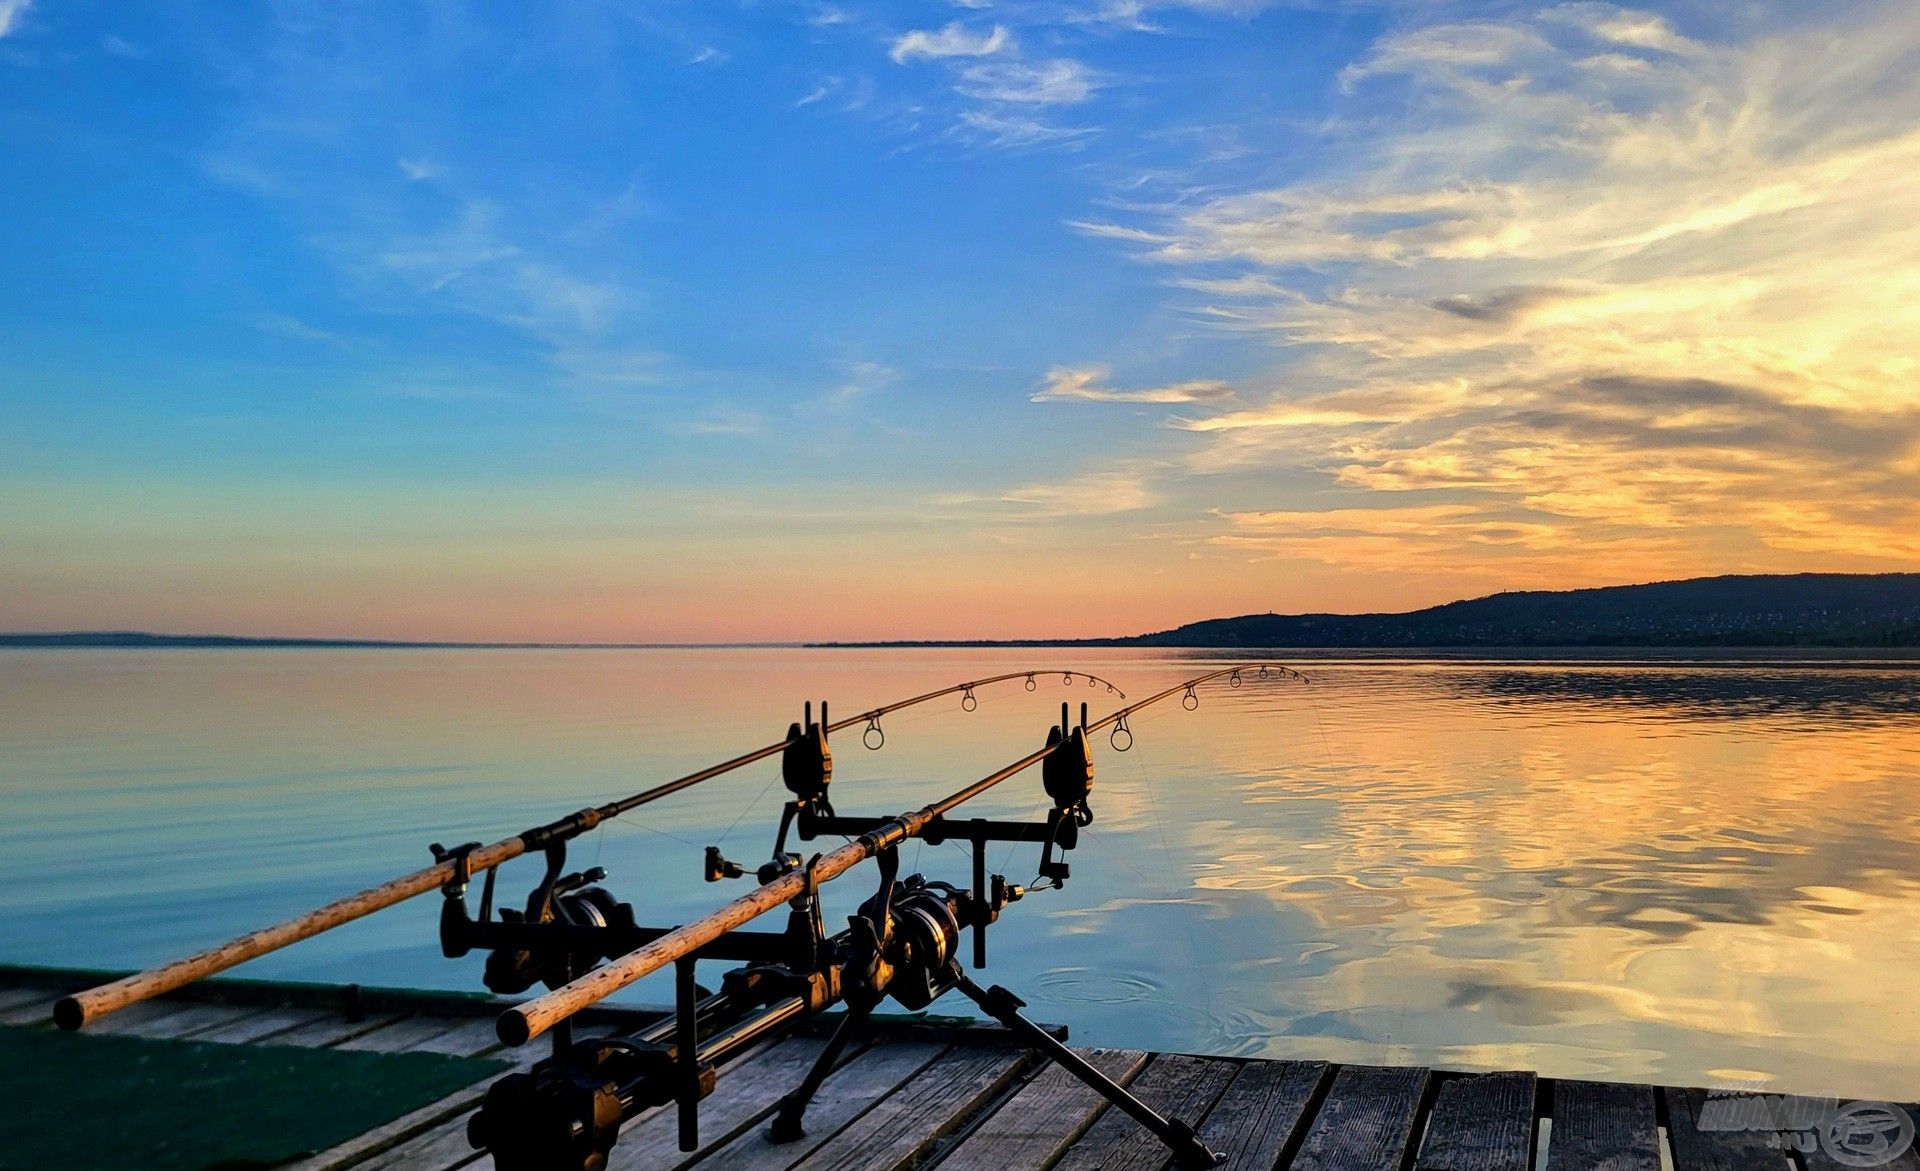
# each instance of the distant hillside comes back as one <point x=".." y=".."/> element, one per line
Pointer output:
<point x="1804" y="609"/>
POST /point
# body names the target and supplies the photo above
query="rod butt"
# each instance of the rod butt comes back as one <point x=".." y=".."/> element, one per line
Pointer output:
<point x="512" y="1028"/>
<point x="69" y="1013"/>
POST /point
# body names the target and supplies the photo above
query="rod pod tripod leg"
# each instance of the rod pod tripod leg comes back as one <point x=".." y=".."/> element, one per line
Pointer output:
<point x="1189" y="1153"/>
<point x="789" y="1122"/>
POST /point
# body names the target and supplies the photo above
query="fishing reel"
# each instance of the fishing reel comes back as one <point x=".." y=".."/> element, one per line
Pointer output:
<point x="571" y="901"/>
<point x="569" y="926"/>
<point x="565" y="1113"/>
<point x="907" y="939"/>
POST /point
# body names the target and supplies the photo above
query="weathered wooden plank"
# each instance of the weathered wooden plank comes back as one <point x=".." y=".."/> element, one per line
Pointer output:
<point x="904" y="1125"/>
<point x="329" y="1030"/>
<point x="1261" y="1111"/>
<point x="849" y="1093"/>
<point x="192" y="1020"/>
<point x="466" y="1039"/>
<point x="1717" y="1147"/>
<point x="1602" y="1126"/>
<point x="1175" y="1085"/>
<point x="32" y="1012"/>
<point x="1366" y="1122"/>
<point x="1481" y="1123"/>
<point x="16" y="997"/>
<point x="442" y="1148"/>
<point x="1047" y="1115"/>
<point x="1851" y="1135"/>
<point x="262" y="1027"/>
<point x="402" y="1035"/>
<point x="746" y="1093"/>
<point x="136" y="1019"/>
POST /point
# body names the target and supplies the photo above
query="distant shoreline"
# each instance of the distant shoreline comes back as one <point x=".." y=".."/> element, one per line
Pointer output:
<point x="145" y="640"/>
<point x="1856" y="611"/>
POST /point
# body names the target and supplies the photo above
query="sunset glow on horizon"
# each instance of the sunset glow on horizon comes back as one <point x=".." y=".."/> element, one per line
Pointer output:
<point x="1033" y="318"/>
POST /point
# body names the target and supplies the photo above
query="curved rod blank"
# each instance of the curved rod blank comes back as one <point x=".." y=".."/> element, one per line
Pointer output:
<point x="523" y="1022"/>
<point x="71" y="1012"/>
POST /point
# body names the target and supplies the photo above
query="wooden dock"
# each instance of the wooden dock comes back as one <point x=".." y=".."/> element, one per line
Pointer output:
<point x="961" y="1098"/>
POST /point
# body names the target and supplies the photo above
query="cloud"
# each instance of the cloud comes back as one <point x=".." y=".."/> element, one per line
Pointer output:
<point x="954" y="40"/>
<point x="1083" y="385"/>
<point x="1052" y="83"/>
<point x="418" y="170"/>
<point x="859" y="380"/>
<point x="10" y="13"/>
<point x="286" y="325"/>
<point x="1123" y="488"/>
<point x="1133" y="14"/>
<point x="725" y="422"/>
<point x="1624" y="26"/>
<point x="1592" y="283"/>
<point x="991" y="128"/>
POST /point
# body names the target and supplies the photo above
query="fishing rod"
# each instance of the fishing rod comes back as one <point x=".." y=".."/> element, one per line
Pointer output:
<point x="566" y="1111"/>
<point x="72" y="1012"/>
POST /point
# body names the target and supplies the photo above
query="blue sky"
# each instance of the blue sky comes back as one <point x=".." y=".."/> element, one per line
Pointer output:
<point x="767" y="320"/>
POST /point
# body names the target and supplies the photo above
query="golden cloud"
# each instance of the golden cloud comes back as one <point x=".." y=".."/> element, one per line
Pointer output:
<point x="1584" y="282"/>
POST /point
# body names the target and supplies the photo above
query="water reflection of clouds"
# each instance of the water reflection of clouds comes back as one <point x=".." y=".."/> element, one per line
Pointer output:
<point x="1795" y="694"/>
<point x="1597" y="871"/>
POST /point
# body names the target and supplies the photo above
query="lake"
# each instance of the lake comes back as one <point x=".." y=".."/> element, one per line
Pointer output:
<point x="1692" y="869"/>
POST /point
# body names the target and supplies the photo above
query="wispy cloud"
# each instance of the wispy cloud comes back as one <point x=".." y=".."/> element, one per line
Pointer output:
<point x="994" y="128"/>
<point x="859" y="380"/>
<point x="1126" y="487"/>
<point x="953" y="40"/>
<point x="726" y="422"/>
<point x="1050" y="83"/>
<point x="119" y="47"/>
<point x="1597" y="284"/>
<point x="1083" y="385"/>
<point x="10" y="13"/>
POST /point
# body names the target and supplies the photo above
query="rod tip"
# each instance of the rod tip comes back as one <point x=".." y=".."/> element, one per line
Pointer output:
<point x="69" y="1013"/>
<point x="512" y="1028"/>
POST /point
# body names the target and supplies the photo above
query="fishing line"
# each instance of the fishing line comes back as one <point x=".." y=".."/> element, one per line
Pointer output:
<point x="645" y="828"/>
<point x="748" y="808"/>
<point x="1006" y="855"/>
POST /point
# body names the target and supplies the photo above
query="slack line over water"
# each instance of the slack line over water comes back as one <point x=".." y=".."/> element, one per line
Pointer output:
<point x="583" y="944"/>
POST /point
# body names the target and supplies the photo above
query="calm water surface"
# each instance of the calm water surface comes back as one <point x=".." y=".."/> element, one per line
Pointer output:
<point x="1692" y="872"/>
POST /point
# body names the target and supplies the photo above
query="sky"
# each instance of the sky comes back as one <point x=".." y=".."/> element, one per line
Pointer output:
<point x="759" y="320"/>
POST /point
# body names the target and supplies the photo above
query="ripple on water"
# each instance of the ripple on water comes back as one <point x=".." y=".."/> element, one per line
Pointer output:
<point x="1099" y="985"/>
